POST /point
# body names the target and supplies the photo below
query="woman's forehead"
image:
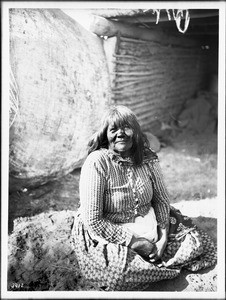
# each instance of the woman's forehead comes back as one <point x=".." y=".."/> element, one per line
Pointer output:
<point x="117" y="122"/>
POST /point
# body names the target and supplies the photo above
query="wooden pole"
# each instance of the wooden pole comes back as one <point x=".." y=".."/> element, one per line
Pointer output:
<point x="103" y="27"/>
<point x="164" y="18"/>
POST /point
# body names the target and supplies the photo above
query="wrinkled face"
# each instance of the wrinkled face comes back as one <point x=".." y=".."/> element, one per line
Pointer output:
<point x="120" y="139"/>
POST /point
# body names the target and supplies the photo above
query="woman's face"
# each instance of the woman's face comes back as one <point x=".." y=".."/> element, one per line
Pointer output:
<point x="120" y="139"/>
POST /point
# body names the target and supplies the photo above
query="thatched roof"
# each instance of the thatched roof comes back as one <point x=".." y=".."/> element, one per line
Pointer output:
<point x="202" y="24"/>
<point x="202" y="21"/>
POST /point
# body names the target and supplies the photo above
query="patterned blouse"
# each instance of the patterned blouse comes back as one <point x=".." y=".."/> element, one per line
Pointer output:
<point x="114" y="191"/>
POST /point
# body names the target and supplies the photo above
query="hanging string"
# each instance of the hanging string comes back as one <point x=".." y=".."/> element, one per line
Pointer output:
<point x="157" y="12"/>
<point x="168" y="14"/>
<point x="178" y="16"/>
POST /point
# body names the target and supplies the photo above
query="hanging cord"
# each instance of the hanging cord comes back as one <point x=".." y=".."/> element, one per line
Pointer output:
<point x="178" y="16"/>
<point x="157" y="12"/>
<point x="168" y="14"/>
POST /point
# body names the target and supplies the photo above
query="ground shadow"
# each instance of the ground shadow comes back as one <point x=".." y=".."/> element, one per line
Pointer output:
<point x="179" y="283"/>
<point x="57" y="195"/>
<point x="209" y="225"/>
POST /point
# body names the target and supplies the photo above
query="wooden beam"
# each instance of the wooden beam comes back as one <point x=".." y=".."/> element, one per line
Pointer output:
<point x="163" y="17"/>
<point x="192" y="33"/>
<point x="191" y="24"/>
<point x="115" y="12"/>
<point x="205" y="21"/>
<point x="103" y="27"/>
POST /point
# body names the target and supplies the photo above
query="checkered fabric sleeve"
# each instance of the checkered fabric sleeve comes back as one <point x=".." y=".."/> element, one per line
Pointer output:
<point x="160" y="200"/>
<point x="93" y="178"/>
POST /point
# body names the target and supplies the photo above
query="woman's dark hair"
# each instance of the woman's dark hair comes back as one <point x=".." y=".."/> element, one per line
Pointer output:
<point x="121" y="116"/>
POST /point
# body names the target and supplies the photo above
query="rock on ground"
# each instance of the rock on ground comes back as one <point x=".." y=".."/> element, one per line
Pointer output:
<point x="41" y="257"/>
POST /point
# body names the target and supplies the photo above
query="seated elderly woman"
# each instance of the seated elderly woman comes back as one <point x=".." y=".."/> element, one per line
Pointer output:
<point x="126" y="234"/>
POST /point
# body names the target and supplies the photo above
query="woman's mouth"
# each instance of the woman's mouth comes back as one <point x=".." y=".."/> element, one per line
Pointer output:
<point x="121" y="141"/>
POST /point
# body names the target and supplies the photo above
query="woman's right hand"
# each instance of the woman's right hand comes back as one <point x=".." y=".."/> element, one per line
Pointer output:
<point x="142" y="246"/>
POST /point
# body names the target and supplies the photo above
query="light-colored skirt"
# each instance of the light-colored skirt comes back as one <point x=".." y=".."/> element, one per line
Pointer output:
<point x="115" y="267"/>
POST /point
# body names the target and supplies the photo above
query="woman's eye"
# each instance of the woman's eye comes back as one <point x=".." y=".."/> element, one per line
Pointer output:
<point x="128" y="130"/>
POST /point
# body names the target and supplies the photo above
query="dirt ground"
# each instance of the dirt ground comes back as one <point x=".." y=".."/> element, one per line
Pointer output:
<point x="189" y="166"/>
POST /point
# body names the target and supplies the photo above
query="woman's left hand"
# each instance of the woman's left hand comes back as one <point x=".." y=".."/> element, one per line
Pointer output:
<point x="158" y="251"/>
<point x="160" y="244"/>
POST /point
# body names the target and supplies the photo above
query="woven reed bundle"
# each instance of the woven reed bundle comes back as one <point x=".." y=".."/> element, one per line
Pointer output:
<point x="62" y="82"/>
<point x="41" y="257"/>
<point x="13" y="99"/>
<point x="155" y="79"/>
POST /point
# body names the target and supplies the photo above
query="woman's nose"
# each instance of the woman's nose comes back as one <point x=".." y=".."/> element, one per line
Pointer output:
<point x="121" y="131"/>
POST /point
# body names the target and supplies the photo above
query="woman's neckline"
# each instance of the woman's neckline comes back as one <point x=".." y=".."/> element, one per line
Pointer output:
<point x="117" y="155"/>
<point x="127" y="160"/>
